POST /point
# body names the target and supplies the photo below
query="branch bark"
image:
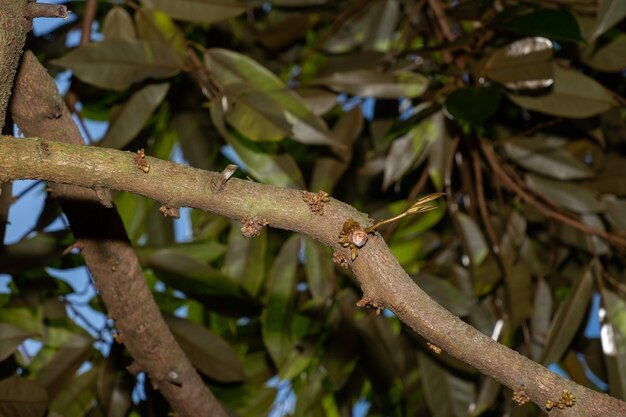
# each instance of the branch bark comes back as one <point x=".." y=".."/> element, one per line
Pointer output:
<point x="382" y="279"/>
<point x="13" y="29"/>
<point x="39" y="110"/>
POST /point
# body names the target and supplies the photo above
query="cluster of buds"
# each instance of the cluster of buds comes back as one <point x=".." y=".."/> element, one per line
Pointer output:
<point x="567" y="400"/>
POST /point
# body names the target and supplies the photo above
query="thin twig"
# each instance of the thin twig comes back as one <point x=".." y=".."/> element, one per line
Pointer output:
<point x="482" y="206"/>
<point x="442" y="20"/>
<point x="543" y="208"/>
<point x="90" y="14"/>
<point x="33" y="10"/>
<point x="419" y="185"/>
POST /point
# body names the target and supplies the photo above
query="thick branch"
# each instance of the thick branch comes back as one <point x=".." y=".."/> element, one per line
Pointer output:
<point x="382" y="278"/>
<point x="13" y="29"/>
<point x="39" y="110"/>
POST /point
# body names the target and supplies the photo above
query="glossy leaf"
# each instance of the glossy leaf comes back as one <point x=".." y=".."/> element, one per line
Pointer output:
<point x="525" y="64"/>
<point x="200" y="11"/>
<point x="473" y="105"/>
<point x="574" y="95"/>
<point x="116" y="64"/>
<point x="259" y="105"/>
<point x="280" y="170"/>
<point x="277" y="314"/>
<point x="568" y="318"/>
<point x="208" y="352"/>
<point x="372" y="83"/>
<point x="22" y="397"/>
<point x="245" y="259"/>
<point x="10" y="338"/>
<point x="118" y="25"/>
<point x="406" y="150"/>
<point x="130" y="117"/>
<point x="567" y="195"/>
<point x="548" y="156"/>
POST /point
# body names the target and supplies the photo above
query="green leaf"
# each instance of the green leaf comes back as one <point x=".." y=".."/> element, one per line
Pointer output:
<point x="279" y="170"/>
<point x="609" y="14"/>
<point x="408" y="149"/>
<point x="525" y="64"/>
<point x="157" y="26"/>
<point x="277" y="315"/>
<point x="118" y="25"/>
<point x="445" y="294"/>
<point x="320" y="271"/>
<point x="116" y="64"/>
<point x="614" y="343"/>
<point x="245" y="259"/>
<point x="474" y="241"/>
<point x="473" y="105"/>
<point x="540" y="320"/>
<point x="555" y="24"/>
<point x="608" y="57"/>
<point x="573" y="95"/>
<point x="519" y="288"/>
<point x="77" y="397"/>
<point x="327" y="171"/>
<point x="372" y="83"/>
<point x="10" y="338"/>
<point x="130" y="117"/>
<point x="568" y="318"/>
<point x="192" y="276"/>
<point x="567" y="195"/>
<point x="57" y="372"/>
<point x="549" y="156"/>
<point x="207" y="351"/>
<point x="202" y="250"/>
<point x="29" y="253"/>
<point x="23" y="398"/>
<point x="445" y="393"/>
<point x="200" y="11"/>
<point x="260" y="106"/>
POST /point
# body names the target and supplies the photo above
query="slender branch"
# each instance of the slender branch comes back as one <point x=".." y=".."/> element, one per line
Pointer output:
<point x="90" y="14"/>
<point x="33" y="10"/>
<point x="482" y="205"/>
<point x="39" y="109"/>
<point x="382" y="279"/>
<point x="509" y="183"/>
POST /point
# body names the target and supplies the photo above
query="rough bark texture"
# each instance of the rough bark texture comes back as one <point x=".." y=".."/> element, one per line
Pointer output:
<point x="383" y="280"/>
<point x="13" y="29"/>
<point x="39" y="110"/>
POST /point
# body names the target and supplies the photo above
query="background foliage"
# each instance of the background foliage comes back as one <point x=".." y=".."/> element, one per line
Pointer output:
<point x="513" y="108"/>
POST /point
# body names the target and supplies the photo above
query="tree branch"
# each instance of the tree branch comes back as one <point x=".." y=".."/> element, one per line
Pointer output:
<point x="33" y="10"/>
<point x="382" y="279"/>
<point x="38" y="109"/>
<point x="13" y="29"/>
